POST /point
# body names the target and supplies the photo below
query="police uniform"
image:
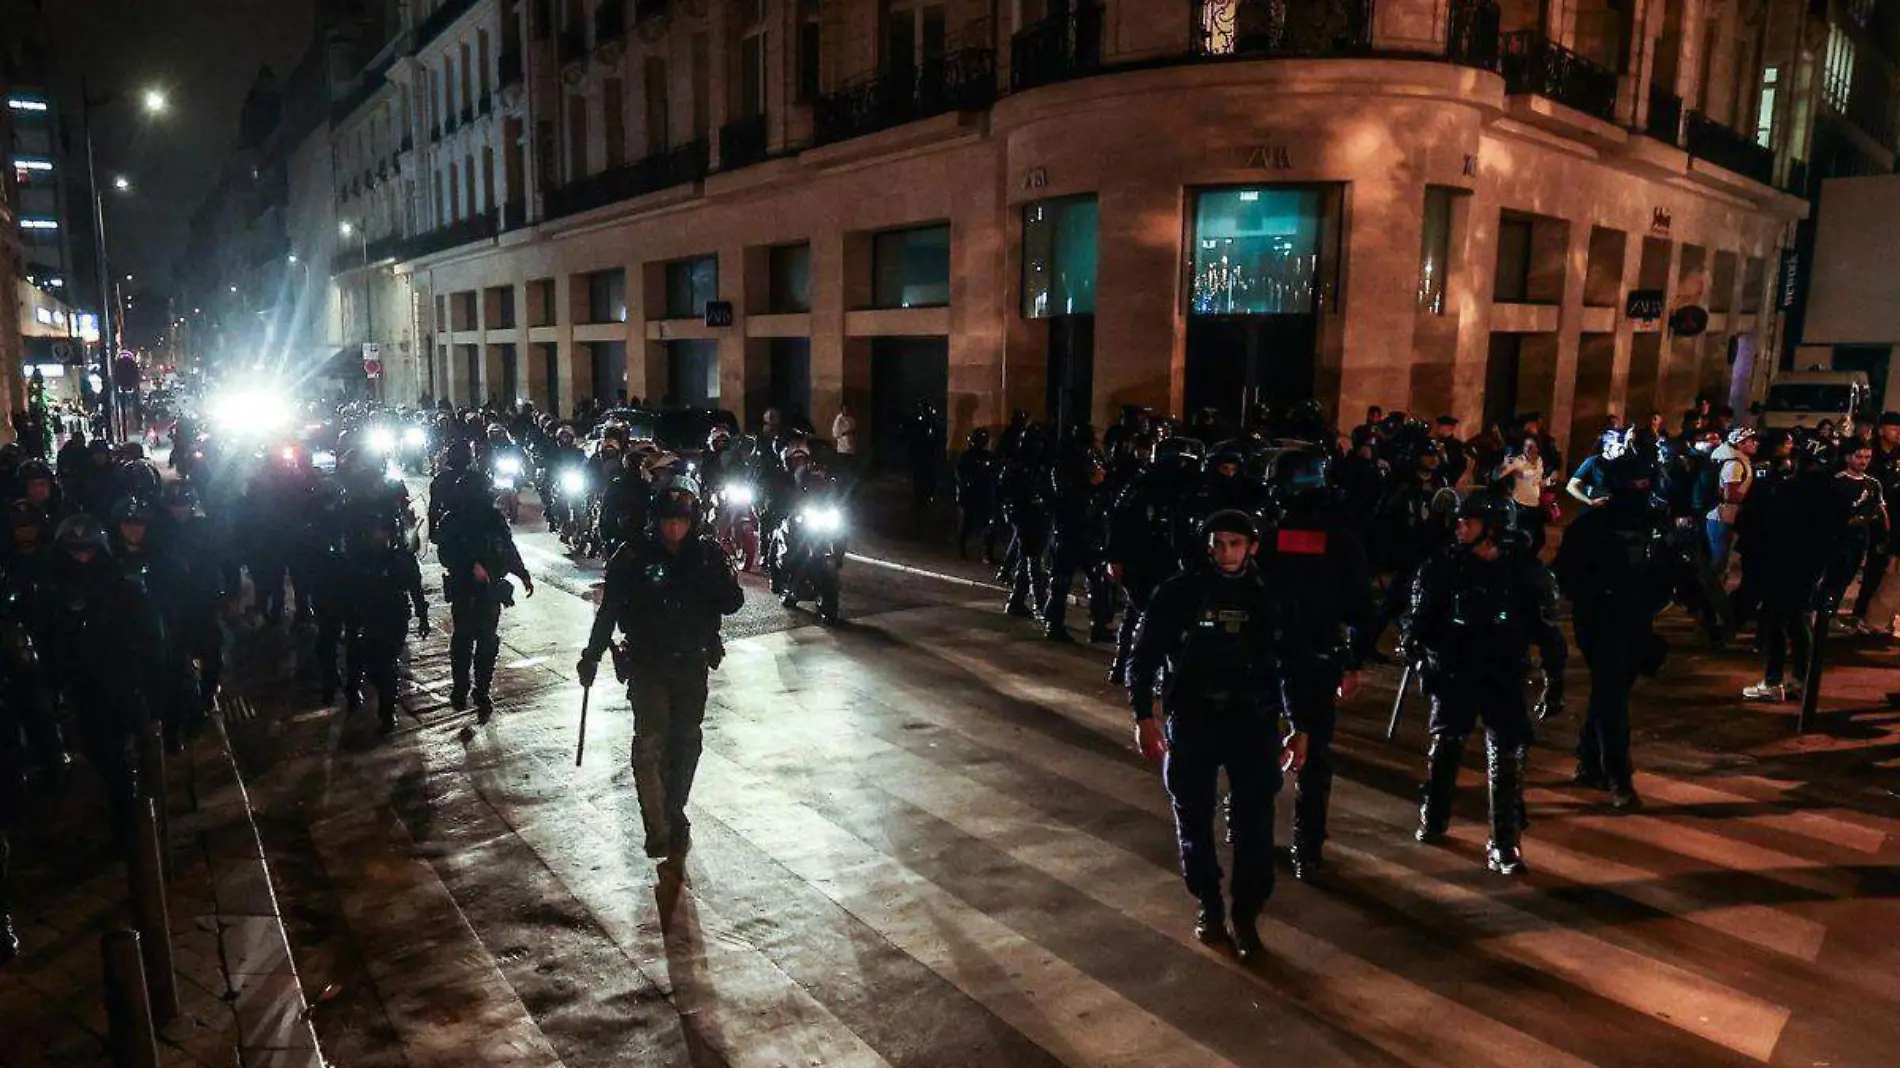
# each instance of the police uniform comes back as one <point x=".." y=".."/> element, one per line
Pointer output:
<point x="476" y="534"/>
<point x="669" y="603"/>
<point x="1230" y="676"/>
<point x="1471" y="625"/>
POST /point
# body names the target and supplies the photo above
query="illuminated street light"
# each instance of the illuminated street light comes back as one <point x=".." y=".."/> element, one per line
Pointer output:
<point x="346" y="228"/>
<point x="122" y="184"/>
<point x="155" y="102"/>
<point x="234" y="289"/>
<point x="293" y="259"/>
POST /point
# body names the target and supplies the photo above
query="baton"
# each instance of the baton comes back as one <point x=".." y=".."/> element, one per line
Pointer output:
<point x="1398" y="702"/>
<point x="581" y="749"/>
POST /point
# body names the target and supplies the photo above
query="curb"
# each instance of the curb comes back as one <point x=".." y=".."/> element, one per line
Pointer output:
<point x="1076" y="600"/>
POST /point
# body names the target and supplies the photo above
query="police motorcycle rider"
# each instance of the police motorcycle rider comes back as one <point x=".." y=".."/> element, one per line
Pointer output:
<point x="565" y="470"/>
<point x="1217" y="629"/>
<point x="811" y="534"/>
<point x="95" y="606"/>
<point x="39" y="488"/>
<point x="1078" y="514"/>
<point x="508" y="470"/>
<point x="1476" y="609"/>
<point x="1615" y="566"/>
<point x="382" y="589"/>
<point x="666" y="590"/>
<point x="1313" y="559"/>
<point x="1141" y="538"/>
<point x="477" y="554"/>
<point x="625" y="498"/>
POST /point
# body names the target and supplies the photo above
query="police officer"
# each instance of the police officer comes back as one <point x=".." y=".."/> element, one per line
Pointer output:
<point x="384" y="589"/>
<point x="1315" y="562"/>
<point x="167" y="687"/>
<point x="1078" y="525"/>
<point x="1476" y="609"/>
<point x="666" y="591"/>
<point x="1618" y="572"/>
<point x="191" y="541"/>
<point x="976" y="496"/>
<point x="26" y="703"/>
<point x="1216" y="630"/>
<point x="1022" y="492"/>
<point x="478" y="554"/>
<point x="1141" y="542"/>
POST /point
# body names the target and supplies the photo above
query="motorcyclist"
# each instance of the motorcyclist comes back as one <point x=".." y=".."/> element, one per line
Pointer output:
<point x="666" y="590"/>
<point x="1476" y="609"/>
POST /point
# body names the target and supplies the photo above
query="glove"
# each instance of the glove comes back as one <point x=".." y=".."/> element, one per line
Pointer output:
<point x="1552" y="704"/>
<point x="587" y="669"/>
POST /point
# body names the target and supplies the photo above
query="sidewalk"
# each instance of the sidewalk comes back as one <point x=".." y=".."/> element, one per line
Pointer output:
<point x="240" y="1001"/>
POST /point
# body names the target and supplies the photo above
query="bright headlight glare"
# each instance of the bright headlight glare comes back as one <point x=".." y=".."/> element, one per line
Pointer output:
<point x="500" y="483"/>
<point x="508" y="465"/>
<point x="573" y="482"/>
<point x="392" y="471"/>
<point x="414" y="437"/>
<point x="251" y="412"/>
<point x="824" y="520"/>
<point x="740" y="496"/>
<point x="382" y="439"/>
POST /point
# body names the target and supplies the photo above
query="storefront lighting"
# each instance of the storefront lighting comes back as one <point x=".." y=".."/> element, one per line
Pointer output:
<point x="39" y="224"/>
<point x="20" y="103"/>
<point x="1249" y="196"/>
<point x="33" y="164"/>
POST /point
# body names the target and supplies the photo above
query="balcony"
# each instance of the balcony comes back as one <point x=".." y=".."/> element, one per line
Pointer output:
<point x="1725" y="147"/>
<point x="1665" y="116"/>
<point x="1471" y="34"/>
<point x="964" y="80"/>
<point x="514" y="214"/>
<point x="682" y="165"/>
<point x="441" y="19"/>
<point x="508" y="66"/>
<point x="372" y="81"/>
<point x="1533" y="64"/>
<point x="573" y="43"/>
<point x="610" y="21"/>
<point x="1057" y="49"/>
<point x="743" y="143"/>
<point x="477" y="228"/>
<point x="1281" y="28"/>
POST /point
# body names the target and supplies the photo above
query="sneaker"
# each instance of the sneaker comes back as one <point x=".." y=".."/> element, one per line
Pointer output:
<point x="1767" y="692"/>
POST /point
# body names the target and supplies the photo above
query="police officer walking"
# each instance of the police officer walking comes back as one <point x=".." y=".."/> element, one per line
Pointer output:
<point x="667" y="591"/>
<point x="478" y="554"/>
<point x="1475" y="612"/>
<point x="383" y="589"/>
<point x="1216" y="631"/>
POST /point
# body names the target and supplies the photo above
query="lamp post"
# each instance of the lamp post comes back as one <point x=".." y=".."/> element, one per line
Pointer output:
<point x="154" y="103"/>
<point x="348" y="229"/>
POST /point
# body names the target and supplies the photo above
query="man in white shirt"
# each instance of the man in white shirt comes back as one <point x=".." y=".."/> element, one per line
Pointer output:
<point x="1734" y="477"/>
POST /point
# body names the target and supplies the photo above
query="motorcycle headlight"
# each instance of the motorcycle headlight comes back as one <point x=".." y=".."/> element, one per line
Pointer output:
<point x="573" y="482"/>
<point x="383" y="440"/>
<point x="508" y="465"/>
<point x="500" y="483"/>
<point x="415" y="437"/>
<point x="392" y="471"/>
<point x="824" y="520"/>
<point x="740" y="496"/>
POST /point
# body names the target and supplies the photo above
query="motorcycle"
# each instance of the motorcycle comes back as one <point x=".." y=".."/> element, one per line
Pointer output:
<point x="506" y="474"/>
<point x="570" y="512"/>
<point x="809" y="549"/>
<point x="736" y="523"/>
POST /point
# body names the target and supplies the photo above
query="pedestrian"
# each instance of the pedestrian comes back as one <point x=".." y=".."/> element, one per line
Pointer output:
<point x="1733" y="469"/>
<point x="1217" y="631"/>
<point x="1884" y="466"/>
<point x="844" y="433"/>
<point x="1476" y="610"/>
<point x="666" y="591"/>
<point x="1867" y="521"/>
<point x="1456" y="452"/>
<point x="1797" y="534"/>
<point x="1523" y="477"/>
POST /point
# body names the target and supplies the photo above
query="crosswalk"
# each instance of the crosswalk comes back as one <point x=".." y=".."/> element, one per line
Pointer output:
<point x="924" y="840"/>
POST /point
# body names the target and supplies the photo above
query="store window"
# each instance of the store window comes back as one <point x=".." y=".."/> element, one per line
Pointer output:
<point x="790" y="279"/>
<point x="690" y="285"/>
<point x="911" y="268"/>
<point x="1434" y="258"/>
<point x="607" y="297"/>
<point x="1059" y="257"/>
<point x="1257" y="251"/>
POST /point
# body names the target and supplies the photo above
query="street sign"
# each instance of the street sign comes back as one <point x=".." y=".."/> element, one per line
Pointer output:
<point x="718" y="313"/>
<point x="372" y="350"/>
<point x="63" y="351"/>
<point x="373" y="368"/>
<point x="1689" y="321"/>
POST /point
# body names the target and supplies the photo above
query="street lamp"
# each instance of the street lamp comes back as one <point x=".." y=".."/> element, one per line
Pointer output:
<point x="349" y="229"/>
<point x="153" y="102"/>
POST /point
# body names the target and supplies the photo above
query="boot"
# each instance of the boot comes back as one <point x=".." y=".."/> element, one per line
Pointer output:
<point x="9" y="940"/>
<point x="1247" y="934"/>
<point x="1624" y="798"/>
<point x="1506" y="768"/>
<point x="1309" y="829"/>
<point x="1589" y="776"/>
<point x="1210" y="922"/>
<point x="484" y="708"/>
<point x="1523" y="772"/>
<point x="1441" y="782"/>
<point x="651" y="790"/>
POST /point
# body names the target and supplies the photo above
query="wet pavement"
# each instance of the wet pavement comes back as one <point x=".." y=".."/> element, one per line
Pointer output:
<point x="922" y="839"/>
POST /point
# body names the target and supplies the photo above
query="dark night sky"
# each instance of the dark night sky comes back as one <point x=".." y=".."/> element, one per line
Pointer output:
<point x="204" y="54"/>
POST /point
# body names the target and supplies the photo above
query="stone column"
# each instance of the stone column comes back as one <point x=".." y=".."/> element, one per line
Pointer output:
<point x="1140" y="339"/>
<point x="1381" y="298"/>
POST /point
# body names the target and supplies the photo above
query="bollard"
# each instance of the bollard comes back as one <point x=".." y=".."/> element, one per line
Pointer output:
<point x="151" y="913"/>
<point x="152" y="782"/>
<point x="134" y="1038"/>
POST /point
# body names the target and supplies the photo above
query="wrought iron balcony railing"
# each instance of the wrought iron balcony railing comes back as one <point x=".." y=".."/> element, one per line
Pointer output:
<point x="964" y="80"/>
<point x="688" y="163"/>
<point x="743" y="143"/>
<point x="1057" y="49"/>
<point x="1723" y="146"/>
<point x="467" y="231"/>
<point x="440" y="19"/>
<point x="1471" y="33"/>
<point x="1532" y="63"/>
<point x="1310" y="28"/>
<point x="1665" y="116"/>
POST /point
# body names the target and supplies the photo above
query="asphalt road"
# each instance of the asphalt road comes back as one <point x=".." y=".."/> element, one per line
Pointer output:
<point x="921" y="839"/>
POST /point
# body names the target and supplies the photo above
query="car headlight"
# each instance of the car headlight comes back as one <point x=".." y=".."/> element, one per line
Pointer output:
<point x="415" y="437"/>
<point x="573" y="482"/>
<point x="382" y="440"/>
<point x="741" y="496"/>
<point x="508" y="465"/>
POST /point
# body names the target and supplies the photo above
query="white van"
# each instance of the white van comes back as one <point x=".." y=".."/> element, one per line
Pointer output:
<point x="1803" y="399"/>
